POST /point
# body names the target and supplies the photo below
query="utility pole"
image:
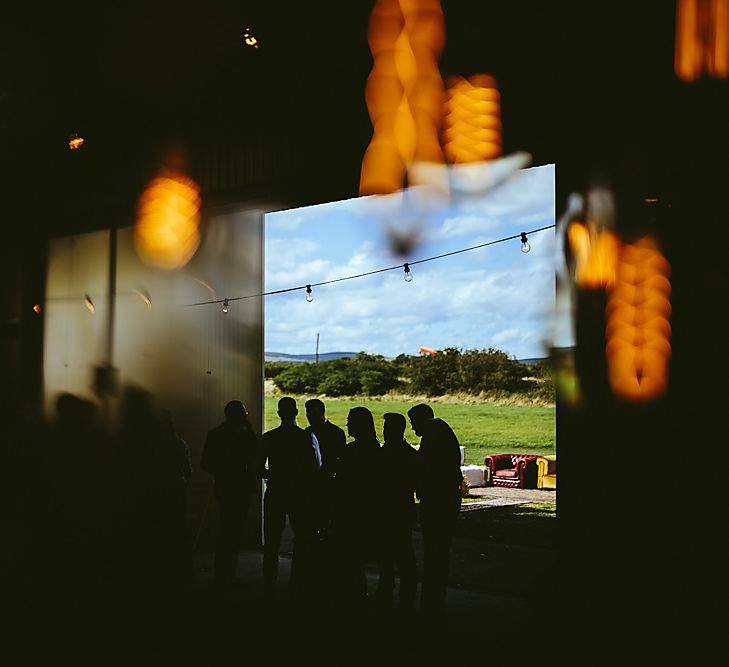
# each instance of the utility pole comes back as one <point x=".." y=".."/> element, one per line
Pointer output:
<point x="316" y="357"/>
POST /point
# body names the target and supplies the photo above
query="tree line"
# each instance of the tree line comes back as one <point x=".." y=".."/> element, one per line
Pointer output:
<point x="489" y="372"/>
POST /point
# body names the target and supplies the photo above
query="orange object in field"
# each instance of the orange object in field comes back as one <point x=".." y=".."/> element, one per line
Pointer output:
<point x="427" y="350"/>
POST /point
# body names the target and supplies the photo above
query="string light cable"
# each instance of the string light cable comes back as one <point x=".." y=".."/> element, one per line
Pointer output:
<point x="406" y="267"/>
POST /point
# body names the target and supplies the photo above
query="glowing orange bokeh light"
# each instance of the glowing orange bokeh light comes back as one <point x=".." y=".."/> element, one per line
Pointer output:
<point x="75" y="141"/>
<point x="702" y="39"/>
<point x="638" y="307"/>
<point x="472" y="119"/>
<point x="595" y="251"/>
<point x="403" y="92"/>
<point x="168" y="215"/>
<point x="249" y="39"/>
<point x="638" y="329"/>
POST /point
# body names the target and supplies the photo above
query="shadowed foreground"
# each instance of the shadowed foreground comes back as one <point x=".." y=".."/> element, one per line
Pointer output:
<point x="494" y="587"/>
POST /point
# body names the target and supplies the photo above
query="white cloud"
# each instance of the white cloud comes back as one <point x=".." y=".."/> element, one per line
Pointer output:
<point x="462" y="226"/>
<point x="288" y="220"/>
<point x="284" y="250"/>
<point x="294" y="274"/>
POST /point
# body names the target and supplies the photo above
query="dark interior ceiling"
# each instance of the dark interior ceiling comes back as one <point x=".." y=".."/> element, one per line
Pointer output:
<point x="583" y="84"/>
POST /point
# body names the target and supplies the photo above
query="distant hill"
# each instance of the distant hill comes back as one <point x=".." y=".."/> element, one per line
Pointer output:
<point x="302" y="358"/>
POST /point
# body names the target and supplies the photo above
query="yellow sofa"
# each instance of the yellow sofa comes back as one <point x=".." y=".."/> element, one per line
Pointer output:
<point x="547" y="472"/>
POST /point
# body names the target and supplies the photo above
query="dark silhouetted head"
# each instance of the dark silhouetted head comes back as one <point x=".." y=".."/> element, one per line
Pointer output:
<point x="287" y="408"/>
<point x="139" y="416"/>
<point x="419" y="416"/>
<point x="315" y="411"/>
<point x="69" y="408"/>
<point x="394" y="429"/>
<point x="235" y="412"/>
<point x="361" y="424"/>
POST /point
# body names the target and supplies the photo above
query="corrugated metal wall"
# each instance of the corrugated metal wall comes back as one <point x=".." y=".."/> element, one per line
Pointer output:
<point x="192" y="359"/>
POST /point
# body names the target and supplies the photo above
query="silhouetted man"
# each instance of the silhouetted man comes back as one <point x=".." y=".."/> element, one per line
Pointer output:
<point x="294" y="462"/>
<point x="354" y="524"/>
<point x="439" y="490"/>
<point x="175" y="475"/>
<point x="332" y="442"/>
<point x="396" y="490"/>
<point x="231" y="455"/>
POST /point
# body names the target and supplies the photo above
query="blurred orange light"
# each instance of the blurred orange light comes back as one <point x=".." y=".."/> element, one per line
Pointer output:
<point x="249" y="39"/>
<point x="37" y="308"/>
<point x="638" y="330"/>
<point x="472" y="119"/>
<point x="595" y="252"/>
<point x="403" y="91"/>
<point x="702" y="39"/>
<point x="75" y="141"/>
<point x="168" y="215"/>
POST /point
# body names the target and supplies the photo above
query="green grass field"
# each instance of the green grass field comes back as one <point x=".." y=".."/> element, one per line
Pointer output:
<point x="482" y="428"/>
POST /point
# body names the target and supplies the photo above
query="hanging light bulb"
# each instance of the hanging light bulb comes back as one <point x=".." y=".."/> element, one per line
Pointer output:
<point x="225" y="306"/>
<point x="75" y="141"/>
<point x="309" y="295"/>
<point x="249" y="39"/>
<point x="408" y="275"/>
<point x="88" y="303"/>
<point x="525" y="247"/>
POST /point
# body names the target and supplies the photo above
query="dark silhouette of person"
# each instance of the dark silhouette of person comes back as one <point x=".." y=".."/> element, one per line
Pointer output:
<point x="332" y="442"/>
<point x="174" y="480"/>
<point x="138" y="485"/>
<point x="231" y="454"/>
<point x="354" y="522"/>
<point x="150" y="468"/>
<point x="438" y="489"/>
<point x="66" y="568"/>
<point x="396" y="490"/>
<point x="290" y="464"/>
<point x="71" y="550"/>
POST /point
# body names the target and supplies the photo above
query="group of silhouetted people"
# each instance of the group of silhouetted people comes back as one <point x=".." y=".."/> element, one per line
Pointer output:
<point x="97" y="518"/>
<point x="347" y="504"/>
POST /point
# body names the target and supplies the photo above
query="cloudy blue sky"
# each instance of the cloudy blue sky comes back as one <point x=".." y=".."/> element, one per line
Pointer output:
<point x="495" y="296"/>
